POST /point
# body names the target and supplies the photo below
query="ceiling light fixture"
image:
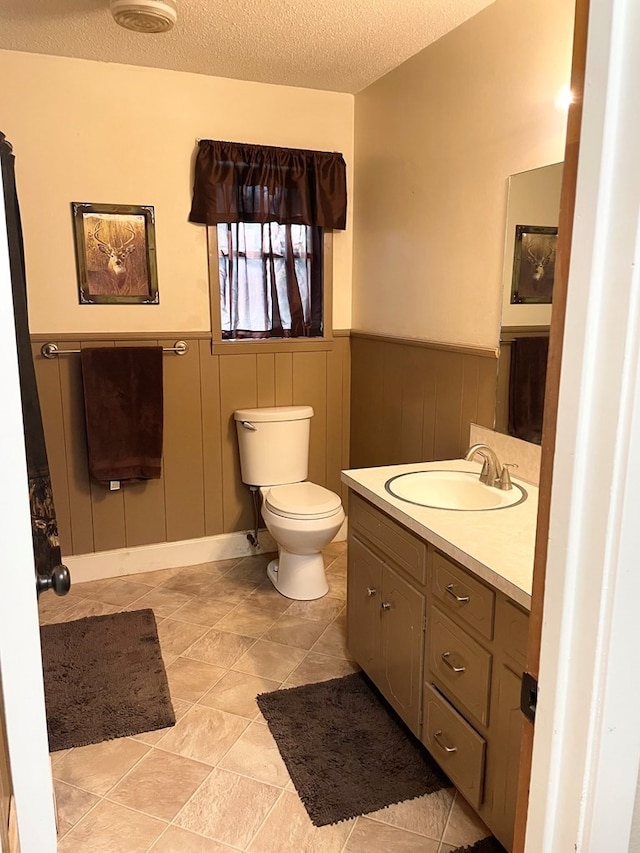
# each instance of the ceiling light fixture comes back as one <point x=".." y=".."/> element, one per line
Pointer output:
<point x="145" y="16"/>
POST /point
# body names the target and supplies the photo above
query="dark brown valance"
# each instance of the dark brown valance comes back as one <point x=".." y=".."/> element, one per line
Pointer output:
<point x="235" y="182"/>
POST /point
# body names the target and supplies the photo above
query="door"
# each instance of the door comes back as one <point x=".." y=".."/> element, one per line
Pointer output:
<point x="20" y="659"/>
<point x="364" y="594"/>
<point x="565" y="229"/>
<point x="503" y="760"/>
<point x="6" y="789"/>
<point x="402" y="646"/>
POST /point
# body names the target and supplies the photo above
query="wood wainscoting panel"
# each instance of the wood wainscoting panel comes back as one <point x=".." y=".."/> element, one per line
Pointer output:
<point x="414" y="402"/>
<point x="238" y="390"/>
<point x="393" y="389"/>
<point x="335" y="416"/>
<point x="183" y="458"/>
<point x="75" y="440"/>
<point x="449" y="396"/>
<point x="470" y="386"/>
<point x="413" y="379"/>
<point x="344" y="351"/>
<point x="367" y="403"/>
<point x="266" y="378"/>
<point x="430" y="385"/>
<point x="211" y="439"/>
<point x="200" y="492"/>
<point x="310" y="389"/>
<point x="284" y="378"/>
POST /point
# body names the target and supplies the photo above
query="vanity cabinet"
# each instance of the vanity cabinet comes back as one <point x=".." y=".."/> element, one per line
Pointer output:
<point x="446" y="650"/>
<point x="386" y="607"/>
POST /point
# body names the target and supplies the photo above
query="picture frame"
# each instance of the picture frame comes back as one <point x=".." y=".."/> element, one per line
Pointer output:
<point x="534" y="260"/>
<point x="115" y="248"/>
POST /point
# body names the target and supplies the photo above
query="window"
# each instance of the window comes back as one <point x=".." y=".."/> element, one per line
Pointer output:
<point x="269" y="210"/>
<point x="270" y="278"/>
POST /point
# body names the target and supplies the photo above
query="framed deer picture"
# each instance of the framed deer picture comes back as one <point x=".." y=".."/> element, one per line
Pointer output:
<point x="534" y="261"/>
<point x="115" y="253"/>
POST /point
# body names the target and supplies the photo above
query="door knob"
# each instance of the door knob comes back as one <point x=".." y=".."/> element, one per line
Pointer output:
<point x="385" y="605"/>
<point x="59" y="581"/>
<point x="371" y="591"/>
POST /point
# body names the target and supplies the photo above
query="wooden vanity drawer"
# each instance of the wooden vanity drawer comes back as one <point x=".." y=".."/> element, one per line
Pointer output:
<point x="463" y="595"/>
<point x="460" y="666"/>
<point x="512" y="631"/>
<point x="402" y="547"/>
<point x="454" y="744"/>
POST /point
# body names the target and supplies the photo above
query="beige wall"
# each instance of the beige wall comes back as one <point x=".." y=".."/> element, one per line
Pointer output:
<point x="98" y="132"/>
<point x="436" y="140"/>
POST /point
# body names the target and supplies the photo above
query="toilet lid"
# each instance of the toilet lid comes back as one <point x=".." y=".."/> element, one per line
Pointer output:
<point x="302" y="500"/>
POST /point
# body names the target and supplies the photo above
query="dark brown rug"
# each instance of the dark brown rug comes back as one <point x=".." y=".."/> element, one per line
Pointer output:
<point x="347" y="752"/>
<point x="486" y="845"/>
<point x="104" y="678"/>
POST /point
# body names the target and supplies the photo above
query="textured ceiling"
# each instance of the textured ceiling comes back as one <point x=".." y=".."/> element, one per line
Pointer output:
<point x="338" y="45"/>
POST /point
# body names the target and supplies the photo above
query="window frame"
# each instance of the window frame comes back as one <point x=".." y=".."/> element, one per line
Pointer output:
<point x="267" y="345"/>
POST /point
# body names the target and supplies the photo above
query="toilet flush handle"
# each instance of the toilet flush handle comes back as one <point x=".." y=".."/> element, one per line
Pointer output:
<point x="249" y="425"/>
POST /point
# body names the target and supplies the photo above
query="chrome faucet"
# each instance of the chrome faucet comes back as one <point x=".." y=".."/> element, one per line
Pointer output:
<point x="493" y="473"/>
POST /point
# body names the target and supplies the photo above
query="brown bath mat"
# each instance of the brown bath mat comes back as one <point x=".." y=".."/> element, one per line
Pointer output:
<point x="104" y="678"/>
<point x="347" y="752"/>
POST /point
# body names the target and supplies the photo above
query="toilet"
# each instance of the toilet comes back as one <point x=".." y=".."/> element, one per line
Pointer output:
<point x="301" y="516"/>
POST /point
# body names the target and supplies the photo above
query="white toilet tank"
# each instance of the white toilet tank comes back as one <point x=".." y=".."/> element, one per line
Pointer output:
<point x="274" y="444"/>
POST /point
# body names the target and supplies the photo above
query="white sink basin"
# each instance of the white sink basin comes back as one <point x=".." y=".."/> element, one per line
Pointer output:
<point x="453" y="490"/>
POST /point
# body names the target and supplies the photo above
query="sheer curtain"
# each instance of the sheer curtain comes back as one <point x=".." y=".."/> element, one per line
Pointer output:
<point x="270" y="280"/>
<point x="270" y="206"/>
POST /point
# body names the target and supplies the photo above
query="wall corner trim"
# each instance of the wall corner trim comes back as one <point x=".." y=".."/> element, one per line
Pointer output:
<point x="464" y="349"/>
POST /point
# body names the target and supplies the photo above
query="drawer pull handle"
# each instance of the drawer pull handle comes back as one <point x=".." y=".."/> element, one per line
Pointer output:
<point x="371" y="591"/>
<point x="437" y="736"/>
<point x="446" y="658"/>
<point x="461" y="599"/>
<point x="385" y="605"/>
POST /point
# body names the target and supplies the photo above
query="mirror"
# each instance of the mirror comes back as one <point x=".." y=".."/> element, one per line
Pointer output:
<point x="527" y="283"/>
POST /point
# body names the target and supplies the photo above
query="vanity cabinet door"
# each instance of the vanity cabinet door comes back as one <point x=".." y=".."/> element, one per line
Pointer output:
<point x="402" y="644"/>
<point x="504" y="755"/>
<point x="364" y="594"/>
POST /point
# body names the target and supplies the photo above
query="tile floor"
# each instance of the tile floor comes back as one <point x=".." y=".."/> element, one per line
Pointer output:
<point x="215" y="783"/>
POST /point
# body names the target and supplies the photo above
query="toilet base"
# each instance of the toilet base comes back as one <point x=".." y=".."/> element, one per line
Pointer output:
<point x="298" y="576"/>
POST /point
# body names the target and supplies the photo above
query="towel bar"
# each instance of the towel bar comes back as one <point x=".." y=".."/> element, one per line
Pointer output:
<point x="51" y="350"/>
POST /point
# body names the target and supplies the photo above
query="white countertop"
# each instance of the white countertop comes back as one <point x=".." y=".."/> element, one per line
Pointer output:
<point x="496" y="545"/>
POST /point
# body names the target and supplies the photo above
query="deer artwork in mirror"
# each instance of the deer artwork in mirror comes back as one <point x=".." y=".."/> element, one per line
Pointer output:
<point x="534" y="263"/>
<point x="115" y="253"/>
<point x="539" y="257"/>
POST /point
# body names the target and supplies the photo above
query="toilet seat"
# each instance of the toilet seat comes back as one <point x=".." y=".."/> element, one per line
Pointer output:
<point x="302" y="500"/>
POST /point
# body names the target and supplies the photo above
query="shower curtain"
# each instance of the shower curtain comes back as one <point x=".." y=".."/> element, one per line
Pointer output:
<point x="44" y="527"/>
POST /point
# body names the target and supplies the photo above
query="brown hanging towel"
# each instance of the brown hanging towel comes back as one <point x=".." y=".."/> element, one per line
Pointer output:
<point x="527" y="381"/>
<point x="123" y="412"/>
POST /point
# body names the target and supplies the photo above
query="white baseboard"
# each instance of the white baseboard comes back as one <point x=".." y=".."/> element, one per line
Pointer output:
<point x="165" y="555"/>
<point x="171" y="555"/>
